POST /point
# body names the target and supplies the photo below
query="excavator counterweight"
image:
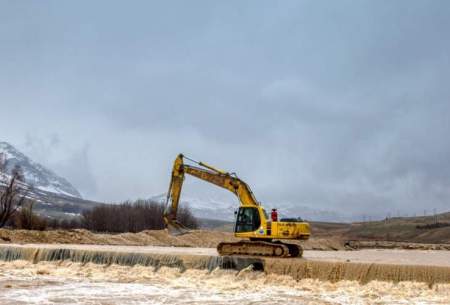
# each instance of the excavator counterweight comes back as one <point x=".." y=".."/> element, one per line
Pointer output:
<point x="261" y="235"/>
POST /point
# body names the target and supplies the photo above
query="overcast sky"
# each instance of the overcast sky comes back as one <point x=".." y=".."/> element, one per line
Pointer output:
<point x="339" y="105"/>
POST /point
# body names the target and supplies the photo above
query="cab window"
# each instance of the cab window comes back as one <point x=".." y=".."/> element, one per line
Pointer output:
<point x="248" y="220"/>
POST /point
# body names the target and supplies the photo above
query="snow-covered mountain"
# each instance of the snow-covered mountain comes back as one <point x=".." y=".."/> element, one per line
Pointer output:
<point x="214" y="209"/>
<point x="54" y="196"/>
<point x="35" y="174"/>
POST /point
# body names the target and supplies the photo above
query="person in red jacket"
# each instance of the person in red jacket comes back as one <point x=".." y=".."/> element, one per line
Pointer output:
<point x="274" y="215"/>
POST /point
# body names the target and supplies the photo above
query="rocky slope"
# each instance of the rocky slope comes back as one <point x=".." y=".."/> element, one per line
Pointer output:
<point x="34" y="173"/>
<point x="54" y="195"/>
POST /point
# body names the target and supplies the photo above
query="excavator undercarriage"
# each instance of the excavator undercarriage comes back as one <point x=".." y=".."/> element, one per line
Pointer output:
<point x="259" y="248"/>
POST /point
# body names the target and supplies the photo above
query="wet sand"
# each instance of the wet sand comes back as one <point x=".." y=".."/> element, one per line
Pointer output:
<point x="379" y="256"/>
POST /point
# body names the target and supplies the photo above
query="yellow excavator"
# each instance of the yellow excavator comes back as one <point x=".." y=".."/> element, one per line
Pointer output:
<point x="263" y="236"/>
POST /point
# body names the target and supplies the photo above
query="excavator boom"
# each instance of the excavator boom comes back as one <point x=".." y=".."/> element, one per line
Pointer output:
<point x="173" y="198"/>
<point x="208" y="173"/>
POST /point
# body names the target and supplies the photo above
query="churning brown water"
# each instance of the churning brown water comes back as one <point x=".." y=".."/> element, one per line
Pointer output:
<point x="22" y="282"/>
<point x="332" y="270"/>
<point x="61" y="275"/>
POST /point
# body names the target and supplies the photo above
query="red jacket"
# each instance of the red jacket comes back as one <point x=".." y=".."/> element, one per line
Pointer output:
<point x="274" y="215"/>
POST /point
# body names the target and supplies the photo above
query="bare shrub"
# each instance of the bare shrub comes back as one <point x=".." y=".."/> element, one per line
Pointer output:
<point x="17" y="172"/>
<point x="132" y="217"/>
<point x="11" y="199"/>
<point x="26" y="219"/>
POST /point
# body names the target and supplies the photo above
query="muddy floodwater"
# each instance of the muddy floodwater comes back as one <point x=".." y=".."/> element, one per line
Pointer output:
<point x="380" y="256"/>
<point x="22" y="282"/>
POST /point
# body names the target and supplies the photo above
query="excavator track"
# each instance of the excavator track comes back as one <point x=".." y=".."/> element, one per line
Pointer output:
<point x="259" y="248"/>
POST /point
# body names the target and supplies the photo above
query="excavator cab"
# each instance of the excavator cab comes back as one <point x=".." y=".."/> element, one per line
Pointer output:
<point x="247" y="220"/>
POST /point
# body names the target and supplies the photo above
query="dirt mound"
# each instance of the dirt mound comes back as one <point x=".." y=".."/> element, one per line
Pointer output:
<point x="197" y="238"/>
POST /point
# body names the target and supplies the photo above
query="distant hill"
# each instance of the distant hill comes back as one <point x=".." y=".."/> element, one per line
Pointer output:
<point x="224" y="211"/>
<point x="53" y="204"/>
<point x="215" y="225"/>
<point x="424" y="229"/>
<point x="55" y="196"/>
<point x="35" y="174"/>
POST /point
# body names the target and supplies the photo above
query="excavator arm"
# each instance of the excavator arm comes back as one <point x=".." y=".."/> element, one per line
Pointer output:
<point x="206" y="173"/>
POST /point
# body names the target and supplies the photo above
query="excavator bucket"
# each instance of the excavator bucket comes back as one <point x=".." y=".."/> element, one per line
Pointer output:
<point x="176" y="229"/>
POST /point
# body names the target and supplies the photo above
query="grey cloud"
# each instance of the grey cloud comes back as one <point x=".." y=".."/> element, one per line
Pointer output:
<point x="77" y="167"/>
<point x="339" y="105"/>
<point x="67" y="161"/>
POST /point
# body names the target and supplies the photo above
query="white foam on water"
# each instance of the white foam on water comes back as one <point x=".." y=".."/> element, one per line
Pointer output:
<point x="22" y="282"/>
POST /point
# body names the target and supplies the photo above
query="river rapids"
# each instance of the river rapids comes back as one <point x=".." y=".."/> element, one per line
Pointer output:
<point x="66" y="282"/>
